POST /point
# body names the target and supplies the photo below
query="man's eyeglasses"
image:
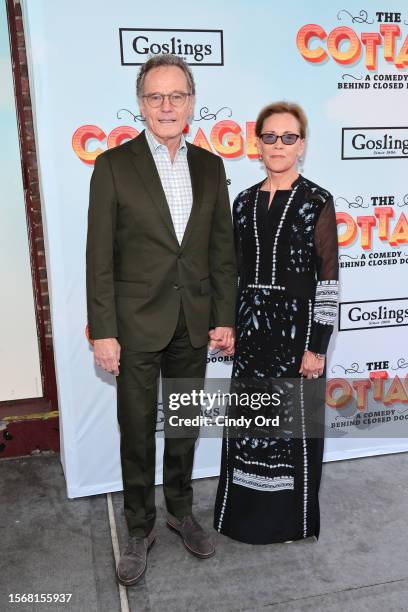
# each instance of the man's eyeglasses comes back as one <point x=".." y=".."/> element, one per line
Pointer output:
<point x="271" y="138"/>
<point x="176" y="99"/>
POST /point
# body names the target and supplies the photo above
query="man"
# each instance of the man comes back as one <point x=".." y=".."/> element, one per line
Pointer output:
<point x="161" y="272"/>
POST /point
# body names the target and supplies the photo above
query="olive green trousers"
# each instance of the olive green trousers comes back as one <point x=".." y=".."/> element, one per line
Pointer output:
<point x="137" y="395"/>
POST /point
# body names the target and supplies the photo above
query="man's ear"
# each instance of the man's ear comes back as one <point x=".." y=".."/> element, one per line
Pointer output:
<point x="192" y="104"/>
<point x="141" y="107"/>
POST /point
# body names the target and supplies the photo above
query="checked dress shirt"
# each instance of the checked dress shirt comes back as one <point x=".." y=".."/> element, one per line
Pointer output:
<point x="176" y="181"/>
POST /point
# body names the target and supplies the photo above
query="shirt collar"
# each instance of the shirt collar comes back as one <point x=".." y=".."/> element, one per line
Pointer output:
<point x="154" y="144"/>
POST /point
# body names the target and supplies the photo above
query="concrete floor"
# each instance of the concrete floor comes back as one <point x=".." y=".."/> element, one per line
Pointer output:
<point x="50" y="544"/>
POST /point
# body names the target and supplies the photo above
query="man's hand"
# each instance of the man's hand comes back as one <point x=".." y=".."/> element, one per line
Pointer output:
<point x="222" y="338"/>
<point x="107" y="354"/>
<point x="311" y="366"/>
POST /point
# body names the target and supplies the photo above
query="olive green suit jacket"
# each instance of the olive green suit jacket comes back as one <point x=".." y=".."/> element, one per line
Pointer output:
<point x="137" y="272"/>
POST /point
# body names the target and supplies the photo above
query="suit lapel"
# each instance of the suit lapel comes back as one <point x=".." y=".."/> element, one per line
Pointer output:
<point x="146" y="168"/>
<point x="196" y="174"/>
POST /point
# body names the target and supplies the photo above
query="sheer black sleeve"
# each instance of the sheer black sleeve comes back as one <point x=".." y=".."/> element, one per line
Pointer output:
<point x="327" y="270"/>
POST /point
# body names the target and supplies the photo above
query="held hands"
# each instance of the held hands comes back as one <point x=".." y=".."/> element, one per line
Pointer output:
<point x="222" y="338"/>
<point x="107" y="354"/>
<point x="312" y="366"/>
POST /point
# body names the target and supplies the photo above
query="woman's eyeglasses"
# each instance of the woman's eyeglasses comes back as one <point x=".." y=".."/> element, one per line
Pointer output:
<point x="271" y="138"/>
<point x="177" y="98"/>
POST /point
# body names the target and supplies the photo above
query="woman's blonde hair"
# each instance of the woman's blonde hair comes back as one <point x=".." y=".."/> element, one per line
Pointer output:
<point x="278" y="108"/>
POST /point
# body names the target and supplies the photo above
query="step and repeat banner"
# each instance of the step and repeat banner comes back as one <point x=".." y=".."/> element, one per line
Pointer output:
<point x="347" y="67"/>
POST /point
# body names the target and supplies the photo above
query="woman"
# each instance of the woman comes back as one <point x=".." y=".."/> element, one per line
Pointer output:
<point x="286" y="239"/>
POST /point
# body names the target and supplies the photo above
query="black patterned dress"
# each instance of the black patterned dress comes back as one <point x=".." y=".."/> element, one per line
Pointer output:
<point x="288" y="291"/>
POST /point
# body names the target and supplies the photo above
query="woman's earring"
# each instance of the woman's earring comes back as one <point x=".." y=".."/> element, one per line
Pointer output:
<point x="300" y="163"/>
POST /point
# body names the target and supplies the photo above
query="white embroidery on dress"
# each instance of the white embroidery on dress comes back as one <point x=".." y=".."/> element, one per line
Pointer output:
<point x="325" y="308"/>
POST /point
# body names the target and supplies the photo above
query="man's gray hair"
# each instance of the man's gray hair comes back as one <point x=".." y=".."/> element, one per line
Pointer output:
<point x="164" y="59"/>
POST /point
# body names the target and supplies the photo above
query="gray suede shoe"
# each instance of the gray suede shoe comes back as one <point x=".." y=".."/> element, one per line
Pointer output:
<point x="195" y="539"/>
<point x="133" y="562"/>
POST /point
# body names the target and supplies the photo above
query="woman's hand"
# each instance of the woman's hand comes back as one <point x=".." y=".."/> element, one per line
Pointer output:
<point x="222" y="338"/>
<point x="311" y="366"/>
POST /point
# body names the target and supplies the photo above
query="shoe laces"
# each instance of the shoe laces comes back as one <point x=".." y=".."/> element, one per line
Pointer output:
<point x="135" y="547"/>
<point x="192" y="522"/>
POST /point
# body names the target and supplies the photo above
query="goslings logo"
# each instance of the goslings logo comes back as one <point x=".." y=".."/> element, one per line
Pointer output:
<point x="374" y="143"/>
<point x="196" y="47"/>
<point x="373" y="314"/>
